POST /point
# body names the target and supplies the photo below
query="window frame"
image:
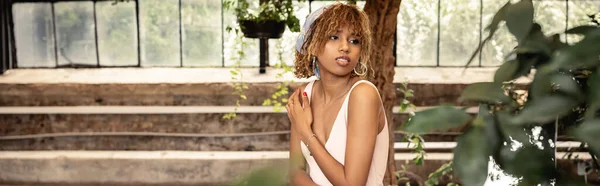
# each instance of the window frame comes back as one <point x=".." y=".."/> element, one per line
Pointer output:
<point x="14" y="62"/>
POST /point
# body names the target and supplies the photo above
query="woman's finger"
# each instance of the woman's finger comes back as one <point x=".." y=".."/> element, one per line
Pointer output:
<point x="295" y="96"/>
<point x="305" y="102"/>
<point x="297" y="101"/>
<point x="287" y="108"/>
<point x="291" y="96"/>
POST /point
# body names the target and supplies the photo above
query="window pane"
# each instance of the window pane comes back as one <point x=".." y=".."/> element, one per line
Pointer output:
<point x="551" y="15"/>
<point x="34" y="35"/>
<point x="117" y="33"/>
<point x="578" y="15"/>
<point x="159" y="32"/>
<point x="75" y="33"/>
<point x="416" y="43"/>
<point x="286" y="45"/>
<point x="459" y="35"/>
<point x="496" y="49"/>
<point x="249" y="47"/>
<point x="201" y="32"/>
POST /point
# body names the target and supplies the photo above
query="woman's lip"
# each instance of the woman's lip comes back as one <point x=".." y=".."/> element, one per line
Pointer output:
<point x="342" y="63"/>
<point x="343" y="57"/>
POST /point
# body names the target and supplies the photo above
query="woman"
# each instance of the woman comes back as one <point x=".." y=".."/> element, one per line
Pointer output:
<point x="339" y="133"/>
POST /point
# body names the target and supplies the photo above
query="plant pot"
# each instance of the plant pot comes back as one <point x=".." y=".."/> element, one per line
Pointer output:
<point x="263" y="29"/>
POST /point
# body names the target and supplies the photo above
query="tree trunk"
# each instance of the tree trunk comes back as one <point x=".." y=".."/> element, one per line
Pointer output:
<point x="383" y="17"/>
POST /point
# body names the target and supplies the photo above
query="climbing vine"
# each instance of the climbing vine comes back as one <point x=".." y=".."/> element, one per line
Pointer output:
<point x="279" y="97"/>
<point x="236" y="73"/>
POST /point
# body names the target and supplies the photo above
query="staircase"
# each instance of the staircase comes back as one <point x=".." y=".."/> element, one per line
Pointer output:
<point x="160" y="126"/>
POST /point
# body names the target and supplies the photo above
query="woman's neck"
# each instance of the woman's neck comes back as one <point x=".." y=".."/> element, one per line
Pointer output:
<point x="333" y="88"/>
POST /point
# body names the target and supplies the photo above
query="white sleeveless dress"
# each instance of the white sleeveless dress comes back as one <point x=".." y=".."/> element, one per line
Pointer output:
<point x="336" y="145"/>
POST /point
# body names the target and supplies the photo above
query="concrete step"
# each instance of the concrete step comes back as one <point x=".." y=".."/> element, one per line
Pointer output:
<point x="174" y="167"/>
<point x="187" y="94"/>
<point x="199" y="86"/>
<point x="148" y="128"/>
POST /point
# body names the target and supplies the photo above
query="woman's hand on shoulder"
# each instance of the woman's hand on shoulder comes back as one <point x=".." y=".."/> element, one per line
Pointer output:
<point x="300" y="113"/>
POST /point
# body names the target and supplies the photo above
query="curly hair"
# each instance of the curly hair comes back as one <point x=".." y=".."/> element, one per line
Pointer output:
<point x="327" y="24"/>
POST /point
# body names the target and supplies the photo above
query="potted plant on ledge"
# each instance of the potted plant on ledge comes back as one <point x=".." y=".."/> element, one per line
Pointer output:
<point x="268" y="21"/>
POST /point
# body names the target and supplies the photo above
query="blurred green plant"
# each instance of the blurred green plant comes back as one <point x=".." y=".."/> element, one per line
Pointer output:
<point x="270" y="175"/>
<point x="416" y="143"/>
<point x="563" y="94"/>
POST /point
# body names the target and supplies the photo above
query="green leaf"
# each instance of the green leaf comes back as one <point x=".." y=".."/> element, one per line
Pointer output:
<point x="588" y="132"/>
<point x="583" y="54"/>
<point x="488" y="92"/>
<point x="556" y="43"/>
<point x="541" y="85"/>
<point x="266" y="102"/>
<point x="594" y="94"/>
<point x="519" y="19"/>
<point x="566" y="83"/>
<point x="409" y="94"/>
<point x="403" y="107"/>
<point x="584" y="29"/>
<point x="498" y="17"/>
<point x="507" y="71"/>
<point x="535" y="43"/>
<point x="492" y="133"/>
<point x="530" y="162"/>
<point x="471" y="157"/>
<point x="511" y="130"/>
<point x="545" y="109"/>
<point x="435" y="176"/>
<point x="442" y="117"/>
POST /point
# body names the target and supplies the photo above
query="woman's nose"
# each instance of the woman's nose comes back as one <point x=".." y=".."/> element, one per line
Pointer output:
<point x="344" y="47"/>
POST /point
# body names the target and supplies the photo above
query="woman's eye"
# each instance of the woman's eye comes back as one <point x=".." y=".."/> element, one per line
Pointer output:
<point x="333" y="37"/>
<point x="355" y="41"/>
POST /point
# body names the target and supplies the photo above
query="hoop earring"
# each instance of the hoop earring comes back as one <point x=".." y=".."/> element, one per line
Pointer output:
<point x="315" y="66"/>
<point x="363" y="66"/>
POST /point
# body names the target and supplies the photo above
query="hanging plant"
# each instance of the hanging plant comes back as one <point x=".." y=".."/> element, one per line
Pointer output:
<point x="269" y="20"/>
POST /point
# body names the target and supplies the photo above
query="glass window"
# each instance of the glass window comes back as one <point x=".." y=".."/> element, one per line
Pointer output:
<point x="286" y="45"/>
<point x="34" y="34"/>
<point x="552" y="15"/>
<point x="459" y="31"/>
<point x="75" y="32"/>
<point x="496" y="49"/>
<point x="416" y="43"/>
<point x="159" y="32"/>
<point x="117" y="33"/>
<point x="234" y="45"/>
<point x="202" y="36"/>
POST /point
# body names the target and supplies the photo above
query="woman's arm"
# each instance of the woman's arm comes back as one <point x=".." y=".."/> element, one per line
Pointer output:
<point x="298" y="175"/>
<point x="363" y="109"/>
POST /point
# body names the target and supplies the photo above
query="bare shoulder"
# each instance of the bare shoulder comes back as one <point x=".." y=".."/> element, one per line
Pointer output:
<point x="364" y="92"/>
